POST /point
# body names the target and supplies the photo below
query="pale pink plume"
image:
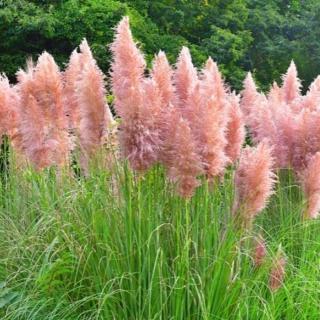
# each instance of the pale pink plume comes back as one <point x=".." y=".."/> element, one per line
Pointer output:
<point x="162" y="74"/>
<point x="252" y="106"/>
<point x="213" y="83"/>
<point x="291" y="84"/>
<point x="71" y="77"/>
<point x="185" y="76"/>
<point x="127" y="72"/>
<point x="312" y="98"/>
<point x="277" y="273"/>
<point x="95" y="116"/>
<point x="254" y="181"/>
<point x="204" y="117"/>
<point x="310" y="179"/>
<point x="9" y="115"/>
<point x="183" y="162"/>
<point x="249" y="95"/>
<point x="275" y="94"/>
<point x="46" y="141"/>
<point x="260" y="251"/>
<point x="214" y="90"/>
<point x="138" y="101"/>
<point x="235" y="129"/>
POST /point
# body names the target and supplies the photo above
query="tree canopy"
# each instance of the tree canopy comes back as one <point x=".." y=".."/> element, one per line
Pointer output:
<point x="241" y="35"/>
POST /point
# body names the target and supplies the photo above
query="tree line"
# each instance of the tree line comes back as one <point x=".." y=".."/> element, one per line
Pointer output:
<point x="241" y="35"/>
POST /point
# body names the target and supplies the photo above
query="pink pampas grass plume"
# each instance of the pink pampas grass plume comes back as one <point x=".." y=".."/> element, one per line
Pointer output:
<point x="291" y="84"/>
<point x="9" y="116"/>
<point x="183" y="162"/>
<point x="46" y="142"/>
<point x="185" y="76"/>
<point x="204" y="117"/>
<point x="275" y="94"/>
<point x="235" y="129"/>
<point x="162" y="74"/>
<point x="213" y="83"/>
<point x="260" y="251"/>
<point x="277" y="273"/>
<point x="71" y="77"/>
<point x="254" y="181"/>
<point x="137" y="101"/>
<point x="249" y="95"/>
<point x="127" y="72"/>
<point x="311" y="186"/>
<point x="95" y="115"/>
<point x="312" y="98"/>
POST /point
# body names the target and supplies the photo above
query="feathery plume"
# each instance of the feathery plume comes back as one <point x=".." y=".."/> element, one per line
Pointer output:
<point x="213" y="83"/>
<point x="46" y="141"/>
<point x="291" y="84"/>
<point x="275" y="94"/>
<point x="127" y="72"/>
<point x="278" y="271"/>
<point x="184" y="164"/>
<point x="162" y="74"/>
<point x="95" y="116"/>
<point x="254" y="181"/>
<point x="9" y="116"/>
<point x="71" y="76"/>
<point x="249" y="95"/>
<point x="137" y="101"/>
<point x="185" y="76"/>
<point x="260" y="251"/>
<point x="235" y="129"/>
<point x="310" y="179"/>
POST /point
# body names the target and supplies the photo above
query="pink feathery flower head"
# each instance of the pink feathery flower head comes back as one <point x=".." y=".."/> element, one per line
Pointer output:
<point x="212" y="82"/>
<point x="252" y="105"/>
<point x="203" y="115"/>
<point x="277" y="273"/>
<point x="275" y="94"/>
<point x="235" y="129"/>
<point x="310" y="179"/>
<point x="162" y="74"/>
<point x="185" y="76"/>
<point x="260" y="251"/>
<point x="183" y="162"/>
<point x="127" y="72"/>
<point x="312" y="98"/>
<point x="9" y="116"/>
<point x="249" y="95"/>
<point x="95" y="115"/>
<point x="138" y="101"/>
<point x="71" y="76"/>
<point x="291" y="84"/>
<point x="46" y="142"/>
<point x="140" y="139"/>
<point x="254" y="181"/>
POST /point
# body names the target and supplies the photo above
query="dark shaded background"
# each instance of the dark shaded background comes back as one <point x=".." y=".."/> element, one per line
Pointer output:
<point x="241" y="35"/>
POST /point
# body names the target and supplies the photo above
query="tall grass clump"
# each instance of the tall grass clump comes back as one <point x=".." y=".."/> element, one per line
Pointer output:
<point x="156" y="211"/>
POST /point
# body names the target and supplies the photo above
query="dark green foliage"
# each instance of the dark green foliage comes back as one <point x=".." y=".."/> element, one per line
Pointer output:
<point x="241" y="35"/>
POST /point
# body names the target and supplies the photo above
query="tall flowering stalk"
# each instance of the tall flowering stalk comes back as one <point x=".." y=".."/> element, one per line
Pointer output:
<point x="182" y="161"/>
<point x="9" y="115"/>
<point x="278" y="271"/>
<point x="94" y="113"/>
<point x="310" y="178"/>
<point x="260" y="251"/>
<point x="185" y="77"/>
<point x="235" y="129"/>
<point x="45" y="142"/>
<point x="291" y="84"/>
<point x="139" y="135"/>
<point x="254" y="181"/>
